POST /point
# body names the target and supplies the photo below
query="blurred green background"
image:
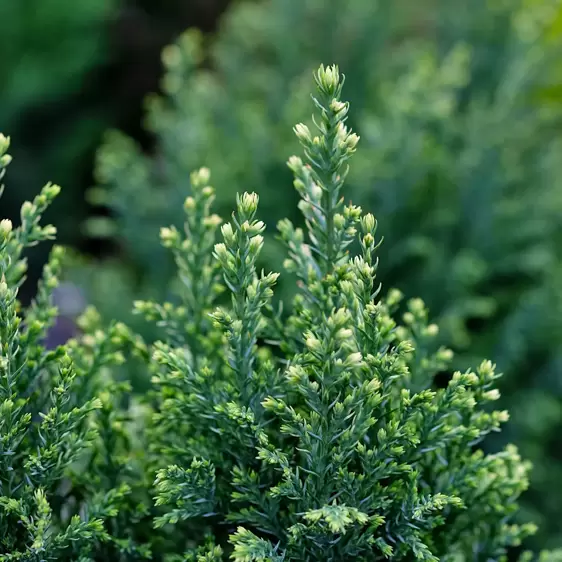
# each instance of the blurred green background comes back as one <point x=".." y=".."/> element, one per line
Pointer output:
<point x="458" y="106"/>
<point x="68" y="72"/>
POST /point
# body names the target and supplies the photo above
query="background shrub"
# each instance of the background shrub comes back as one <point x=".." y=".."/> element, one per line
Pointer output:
<point x="49" y="49"/>
<point x="68" y="72"/>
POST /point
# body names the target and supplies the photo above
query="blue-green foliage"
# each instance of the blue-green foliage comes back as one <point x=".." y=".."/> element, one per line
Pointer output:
<point x="322" y="437"/>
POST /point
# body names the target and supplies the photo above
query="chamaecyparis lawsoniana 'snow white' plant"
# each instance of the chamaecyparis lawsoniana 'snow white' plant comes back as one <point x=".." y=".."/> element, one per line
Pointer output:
<point x="457" y="158"/>
<point x="325" y="437"/>
<point x="63" y="494"/>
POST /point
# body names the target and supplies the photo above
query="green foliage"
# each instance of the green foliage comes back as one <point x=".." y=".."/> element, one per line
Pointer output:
<point x="316" y="435"/>
<point x="59" y="439"/>
<point x="458" y="159"/>
<point x="323" y="436"/>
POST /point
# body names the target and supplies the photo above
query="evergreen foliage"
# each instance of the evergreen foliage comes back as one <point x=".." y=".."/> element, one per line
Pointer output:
<point x="323" y="436"/>
<point x="320" y="435"/>
<point x="460" y="159"/>
<point x="60" y="435"/>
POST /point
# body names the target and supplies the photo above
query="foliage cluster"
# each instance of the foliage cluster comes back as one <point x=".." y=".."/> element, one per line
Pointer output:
<point x="460" y="159"/>
<point x="318" y="435"/>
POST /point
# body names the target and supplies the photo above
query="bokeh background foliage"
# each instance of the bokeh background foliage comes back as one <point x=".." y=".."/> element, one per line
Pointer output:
<point x="68" y="71"/>
<point x="458" y="107"/>
<point x="48" y="49"/>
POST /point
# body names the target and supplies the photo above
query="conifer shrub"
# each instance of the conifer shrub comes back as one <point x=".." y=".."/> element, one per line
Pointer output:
<point x="459" y="161"/>
<point x="63" y="482"/>
<point x="321" y="435"/>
